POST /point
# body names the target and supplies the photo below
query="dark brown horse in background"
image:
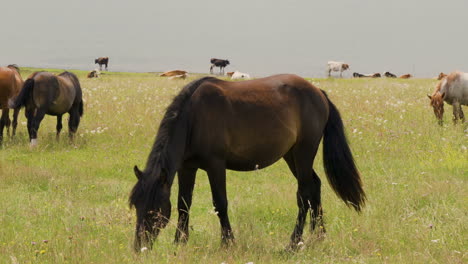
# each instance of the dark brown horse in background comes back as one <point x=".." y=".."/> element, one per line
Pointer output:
<point x="102" y="61"/>
<point x="216" y="125"/>
<point x="10" y="86"/>
<point x="45" y="93"/>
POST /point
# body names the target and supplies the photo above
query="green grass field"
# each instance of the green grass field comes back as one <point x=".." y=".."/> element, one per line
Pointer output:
<point x="63" y="203"/>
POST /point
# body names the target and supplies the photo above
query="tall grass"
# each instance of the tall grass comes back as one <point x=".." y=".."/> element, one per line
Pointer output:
<point x="63" y="203"/>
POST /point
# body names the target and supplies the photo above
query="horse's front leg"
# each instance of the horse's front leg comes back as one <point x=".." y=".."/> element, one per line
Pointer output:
<point x="3" y="122"/>
<point x="217" y="176"/>
<point x="186" y="180"/>
<point x="58" y="127"/>
<point x="456" y="112"/>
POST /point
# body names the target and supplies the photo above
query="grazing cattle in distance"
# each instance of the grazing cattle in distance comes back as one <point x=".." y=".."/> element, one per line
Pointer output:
<point x="218" y="63"/>
<point x="358" y="75"/>
<point x="229" y="74"/>
<point x="453" y="89"/>
<point x="389" y="75"/>
<point x="94" y="74"/>
<point x="102" y="61"/>
<point x="406" y="76"/>
<point x="239" y="75"/>
<point x="337" y="66"/>
<point x="10" y="86"/>
<point x="217" y="125"/>
<point x="370" y="75"/>
<point x="173" y="73"/>
<point x="441" y="76"/>
<point x="46" y="93"/>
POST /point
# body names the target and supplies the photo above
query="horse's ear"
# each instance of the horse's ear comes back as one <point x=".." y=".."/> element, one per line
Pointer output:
<point x="138" y="172"/>
<point x="430" y="97"/>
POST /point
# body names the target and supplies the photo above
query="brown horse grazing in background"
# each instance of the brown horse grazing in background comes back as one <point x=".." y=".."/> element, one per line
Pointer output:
<point x="45" y="93"/>
<point x="102" y="61"/>
<point x="452" y="89"/>
<point x="216" y="125"/>
<point x="10" y="86"/>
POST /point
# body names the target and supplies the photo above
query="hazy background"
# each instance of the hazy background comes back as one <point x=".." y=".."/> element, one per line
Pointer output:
<point x="421" y="37"/>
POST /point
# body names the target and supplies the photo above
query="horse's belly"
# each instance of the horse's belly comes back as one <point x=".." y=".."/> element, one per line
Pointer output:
<point x="59" y="109"/>
<point x="251" y="156"/>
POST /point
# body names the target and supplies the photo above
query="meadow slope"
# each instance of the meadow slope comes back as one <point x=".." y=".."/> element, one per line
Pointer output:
<point x="63" y="203"/>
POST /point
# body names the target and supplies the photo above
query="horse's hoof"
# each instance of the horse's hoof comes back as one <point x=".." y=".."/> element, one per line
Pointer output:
<point x="294" y="247"/>
<point x="33" y="143"/>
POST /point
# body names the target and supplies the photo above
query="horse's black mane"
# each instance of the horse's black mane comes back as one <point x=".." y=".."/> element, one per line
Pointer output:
<point x="159" y="157"/>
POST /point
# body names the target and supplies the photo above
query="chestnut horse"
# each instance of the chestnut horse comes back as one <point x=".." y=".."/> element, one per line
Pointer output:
<point x="216" y="125"/>
<point x="452" y="89"/>
<point x="10" y="86"/>
<point x="45" y="93"/>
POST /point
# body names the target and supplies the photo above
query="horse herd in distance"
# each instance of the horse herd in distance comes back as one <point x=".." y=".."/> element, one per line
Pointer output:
<point x="66" y="92"/>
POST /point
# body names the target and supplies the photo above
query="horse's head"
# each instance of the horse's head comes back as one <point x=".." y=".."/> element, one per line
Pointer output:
<point x="96" y="61"/>
<point x="437" y="102"/>
<point x="151" y="199"/>
<point x="345" y="66"/>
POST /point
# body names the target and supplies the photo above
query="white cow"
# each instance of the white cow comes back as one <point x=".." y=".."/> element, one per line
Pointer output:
<point x="239" y="75"/>
<point x="337" y="66"/>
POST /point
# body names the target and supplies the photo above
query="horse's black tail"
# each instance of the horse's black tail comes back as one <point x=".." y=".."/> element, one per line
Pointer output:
<point x="80" y="108"/>
<point x="23" y="96"/>
<point x="338" y="161"/>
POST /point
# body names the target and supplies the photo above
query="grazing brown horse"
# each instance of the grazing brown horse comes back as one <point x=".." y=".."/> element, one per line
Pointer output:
<point x="102" y="61"/>
<point x="216" y="125"/>
<point x="45" y="93"/>
<point x="10" y="86"/>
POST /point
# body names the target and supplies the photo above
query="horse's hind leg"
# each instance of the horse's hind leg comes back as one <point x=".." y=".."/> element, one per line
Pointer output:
<point x="461" y="114"/>
<point x="217" y="176"/>
<point x="15" y="120"/>
<point x="73" y="122"/>
<point x="35" y="119"/>
<point x="186" y="182"/>
<point x="308" y="193"/>
<point x="58" y="127"/>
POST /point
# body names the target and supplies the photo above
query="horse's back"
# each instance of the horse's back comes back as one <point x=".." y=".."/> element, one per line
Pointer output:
<point x="54" y="93"/>
<point x="256" y="121"/>
<point x="455" y="86"/>
<point x="10" y="85"/>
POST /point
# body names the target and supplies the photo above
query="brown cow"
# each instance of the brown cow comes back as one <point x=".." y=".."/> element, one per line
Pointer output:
<point x="173" y="73"/>
<point x="93" y="74"/>
<point x="406" y="76"/>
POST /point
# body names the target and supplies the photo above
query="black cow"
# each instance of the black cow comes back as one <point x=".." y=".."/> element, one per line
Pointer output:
<point x="389" y="75"/>
<point x="102" y="61"/>
<point x="218" y="63"/>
